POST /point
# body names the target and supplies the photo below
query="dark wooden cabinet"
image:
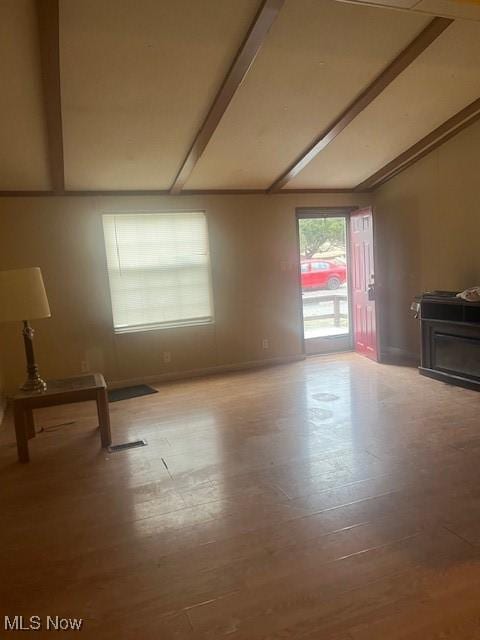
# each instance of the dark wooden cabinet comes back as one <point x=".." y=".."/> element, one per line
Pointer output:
<point x="450" y="329"/>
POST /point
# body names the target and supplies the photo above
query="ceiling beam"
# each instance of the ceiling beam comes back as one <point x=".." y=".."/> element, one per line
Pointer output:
<point x="431" y="32"/>
<point x="244" y="58"/>
<point x="49" y="43"/>
<point x="434" y="139"/>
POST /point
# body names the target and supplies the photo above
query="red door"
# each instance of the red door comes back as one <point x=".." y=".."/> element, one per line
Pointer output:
<point x="363" y="278"/>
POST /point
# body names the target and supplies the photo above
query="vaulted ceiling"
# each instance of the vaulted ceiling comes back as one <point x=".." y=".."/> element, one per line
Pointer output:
<point x="188" y="95"/>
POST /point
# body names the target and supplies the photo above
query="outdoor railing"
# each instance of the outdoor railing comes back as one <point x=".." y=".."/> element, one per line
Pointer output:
<point x="337" y="314"/>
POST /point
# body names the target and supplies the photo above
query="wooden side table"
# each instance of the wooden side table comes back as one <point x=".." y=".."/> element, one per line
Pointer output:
<point x="90" y="386"/>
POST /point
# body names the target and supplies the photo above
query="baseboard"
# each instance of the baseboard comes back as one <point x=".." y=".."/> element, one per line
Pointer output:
<point x="397" y="355"/>
<point x="206" y="371"/>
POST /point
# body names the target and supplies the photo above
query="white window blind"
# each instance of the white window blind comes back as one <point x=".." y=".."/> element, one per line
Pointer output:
<point x="159" y="269"/>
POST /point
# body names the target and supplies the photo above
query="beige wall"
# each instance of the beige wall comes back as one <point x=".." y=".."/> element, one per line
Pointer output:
<point x="428" y="229"/>
<point x="250" y="238"/>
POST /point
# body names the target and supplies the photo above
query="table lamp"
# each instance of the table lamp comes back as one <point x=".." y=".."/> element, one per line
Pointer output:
<point x="23" y="297"/>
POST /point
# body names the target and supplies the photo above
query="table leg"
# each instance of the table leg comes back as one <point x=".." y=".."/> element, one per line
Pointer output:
<point x="29" y="423"/>
<point x="21" y="433"/>
<point x="104" y="417"/>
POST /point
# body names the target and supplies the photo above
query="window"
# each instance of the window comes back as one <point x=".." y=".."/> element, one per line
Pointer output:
<point x="320" y="266"/>
<point x="304" y="267"/>
<point x="159" y="269"/>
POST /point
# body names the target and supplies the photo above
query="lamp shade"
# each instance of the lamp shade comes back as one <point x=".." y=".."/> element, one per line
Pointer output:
<point x="22" y="295"/>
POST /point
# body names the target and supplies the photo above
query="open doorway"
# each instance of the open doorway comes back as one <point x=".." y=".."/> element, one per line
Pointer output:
<point x="337" y="276"/>
<point x="324" y="278"/>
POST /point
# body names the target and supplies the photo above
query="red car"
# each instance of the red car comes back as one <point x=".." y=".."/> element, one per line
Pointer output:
<point x="320" y="274"/>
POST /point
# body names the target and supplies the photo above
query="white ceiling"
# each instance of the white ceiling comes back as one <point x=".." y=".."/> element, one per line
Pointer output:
<point x="315" y="62"/>
<point x="138" y="78"/>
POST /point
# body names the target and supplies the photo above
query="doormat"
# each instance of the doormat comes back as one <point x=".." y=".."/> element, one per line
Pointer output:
<point x="114" y="395"/>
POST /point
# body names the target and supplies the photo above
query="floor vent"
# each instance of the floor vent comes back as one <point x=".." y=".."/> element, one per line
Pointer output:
<point x="127" y="445"/>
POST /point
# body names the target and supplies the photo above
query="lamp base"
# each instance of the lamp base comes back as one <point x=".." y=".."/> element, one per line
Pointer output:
<point x="34" y="384"/>
<point x="33" y="381"/>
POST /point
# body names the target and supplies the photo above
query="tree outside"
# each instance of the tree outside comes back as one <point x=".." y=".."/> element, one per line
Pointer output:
<point x="315" y="232"/>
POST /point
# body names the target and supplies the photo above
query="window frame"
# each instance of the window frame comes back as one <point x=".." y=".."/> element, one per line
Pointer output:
<point x="159" y="326"/>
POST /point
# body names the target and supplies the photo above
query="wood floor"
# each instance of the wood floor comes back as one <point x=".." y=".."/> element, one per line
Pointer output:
<point x="331" y="499"/>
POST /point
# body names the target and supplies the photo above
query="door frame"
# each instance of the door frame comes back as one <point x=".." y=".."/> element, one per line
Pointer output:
<point x="331" y="342"/>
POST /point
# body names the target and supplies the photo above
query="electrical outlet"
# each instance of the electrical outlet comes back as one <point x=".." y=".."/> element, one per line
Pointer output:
<point x="265" y="344"/>
<point x="167" y="356"/>
<point x="84" y="366"/>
